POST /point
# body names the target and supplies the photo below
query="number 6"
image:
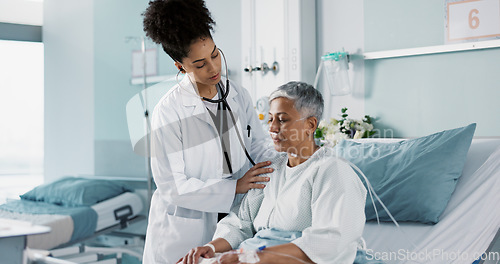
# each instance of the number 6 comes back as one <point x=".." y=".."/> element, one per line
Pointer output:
<point x="473" y="20"/>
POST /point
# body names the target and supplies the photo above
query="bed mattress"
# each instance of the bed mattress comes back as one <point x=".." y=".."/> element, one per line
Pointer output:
<point x="66" y="228"/>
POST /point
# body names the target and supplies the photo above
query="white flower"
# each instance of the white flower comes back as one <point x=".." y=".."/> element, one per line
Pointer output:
<point x="347" y="123"/>
<point x="323" y="123"/>
<point x="334" y="128"/>
<point x="327" y="143"/>
<point x="367" y="127"/>
<point x="359" y="134"/>
<point x="359" y="126"/>
<point x="330" y="137"/>
<point x="334" y="131"/>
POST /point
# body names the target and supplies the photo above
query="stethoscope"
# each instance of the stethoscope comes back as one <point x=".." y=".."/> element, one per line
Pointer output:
<point x="222" y="99"/>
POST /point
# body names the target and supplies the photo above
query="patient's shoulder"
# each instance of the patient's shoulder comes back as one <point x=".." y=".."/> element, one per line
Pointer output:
<point x="326" y="158"/>
<point x="330" y="166"/>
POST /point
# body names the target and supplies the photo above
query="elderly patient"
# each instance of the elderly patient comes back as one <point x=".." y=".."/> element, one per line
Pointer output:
<point x="312" y="209"/>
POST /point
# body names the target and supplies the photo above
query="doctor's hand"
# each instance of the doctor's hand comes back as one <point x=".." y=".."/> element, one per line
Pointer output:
<point x="193" y="256"/>
<point x="250" y="179"/>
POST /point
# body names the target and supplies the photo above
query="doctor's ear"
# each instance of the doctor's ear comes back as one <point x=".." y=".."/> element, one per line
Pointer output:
<point x="179" y="66"/>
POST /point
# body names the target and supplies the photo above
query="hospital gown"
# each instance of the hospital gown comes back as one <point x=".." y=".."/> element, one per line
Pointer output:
<point x="322" y="198"/>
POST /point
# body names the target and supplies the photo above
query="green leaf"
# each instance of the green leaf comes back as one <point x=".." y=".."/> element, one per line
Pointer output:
<point x="367" y="119"/>
<point x="318" y="134"/>
<point x="344" y="109"/>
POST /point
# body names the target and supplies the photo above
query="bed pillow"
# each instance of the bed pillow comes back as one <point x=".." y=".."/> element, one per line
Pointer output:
<point x="414" y="178"/>
<point x="72" y="192"/>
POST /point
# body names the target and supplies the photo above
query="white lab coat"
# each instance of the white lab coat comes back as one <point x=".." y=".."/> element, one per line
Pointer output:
<point x="187" y="165"/>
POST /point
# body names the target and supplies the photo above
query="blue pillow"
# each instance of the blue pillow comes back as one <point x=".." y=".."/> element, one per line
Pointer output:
<point x="414" y="178"/>
<point x="72" y="192"/>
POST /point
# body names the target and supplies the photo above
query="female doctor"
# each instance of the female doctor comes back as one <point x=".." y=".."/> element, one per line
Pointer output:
<point x="199" y="144"/>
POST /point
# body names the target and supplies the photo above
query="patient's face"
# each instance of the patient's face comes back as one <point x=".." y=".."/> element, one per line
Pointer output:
<point x="286" y="126"/>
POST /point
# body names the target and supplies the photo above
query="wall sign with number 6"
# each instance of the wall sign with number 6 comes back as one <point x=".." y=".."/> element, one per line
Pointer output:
<point x="472" y="20"/>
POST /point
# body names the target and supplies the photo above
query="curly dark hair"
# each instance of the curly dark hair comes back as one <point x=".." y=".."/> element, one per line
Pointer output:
<point x="176" y="24"/>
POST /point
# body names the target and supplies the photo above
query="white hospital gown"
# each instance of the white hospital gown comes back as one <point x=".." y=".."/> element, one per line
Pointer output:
<point x="322" y="197"/>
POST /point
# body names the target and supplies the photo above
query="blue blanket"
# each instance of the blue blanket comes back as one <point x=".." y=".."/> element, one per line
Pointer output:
<point x="273" y="237"/>
<point x="84" y="218"/>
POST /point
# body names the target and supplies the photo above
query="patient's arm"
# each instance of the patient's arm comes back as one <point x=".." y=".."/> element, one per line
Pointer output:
<point x="238" y="226"/>
<point x="276" y="254"/>
<point x="221" y="245"/>
<point x="286" y="253"/>
<point x="231" y="230"/>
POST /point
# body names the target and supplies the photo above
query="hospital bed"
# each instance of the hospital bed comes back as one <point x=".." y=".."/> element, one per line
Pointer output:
<point x="467" y="227"/>
<point x="75" y="215"/>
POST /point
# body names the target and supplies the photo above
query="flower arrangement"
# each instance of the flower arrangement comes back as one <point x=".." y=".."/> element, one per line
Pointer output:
<point x="330" y="133"/>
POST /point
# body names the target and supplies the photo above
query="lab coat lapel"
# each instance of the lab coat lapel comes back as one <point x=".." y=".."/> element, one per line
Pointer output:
<point x="192" y="101"/>
<point x="232" y="100"/>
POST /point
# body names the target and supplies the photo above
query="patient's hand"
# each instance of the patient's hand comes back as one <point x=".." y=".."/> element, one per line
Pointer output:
<point x="194" y="255"/>
<point x="229" y="259"/>
<point x="248" y="181"/>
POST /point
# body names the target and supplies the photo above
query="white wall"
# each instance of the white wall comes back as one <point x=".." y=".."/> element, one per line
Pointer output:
<point x="419" y="95"/>
<point x="227" y="33"/>
<point x="21" y="12"/>
<point x="69" y="88"/>
<point x="340" y="24"/>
